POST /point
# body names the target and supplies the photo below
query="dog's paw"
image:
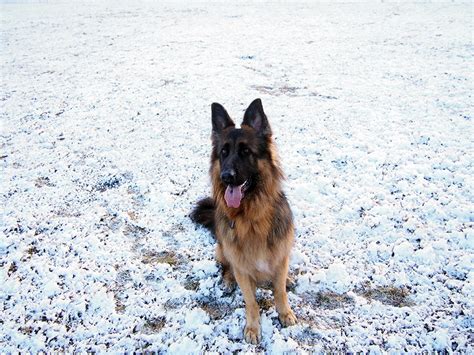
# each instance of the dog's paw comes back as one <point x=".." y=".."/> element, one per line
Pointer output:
<point x="252" y="335"/>
<point x="287" y="319"/>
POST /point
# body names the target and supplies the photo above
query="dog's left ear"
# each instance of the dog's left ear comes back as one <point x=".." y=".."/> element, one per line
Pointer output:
<point x="256" y="118"/>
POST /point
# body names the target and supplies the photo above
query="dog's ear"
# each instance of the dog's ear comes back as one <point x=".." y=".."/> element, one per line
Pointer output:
<point x="220" y="118"/>
<point x="256" y="118"/>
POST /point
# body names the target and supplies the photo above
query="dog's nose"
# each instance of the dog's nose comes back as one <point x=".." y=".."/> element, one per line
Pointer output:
<point x="228" y="177"/>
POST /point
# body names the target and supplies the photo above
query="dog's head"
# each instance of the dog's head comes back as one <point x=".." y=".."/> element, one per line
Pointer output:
<point x="237" y="151"/>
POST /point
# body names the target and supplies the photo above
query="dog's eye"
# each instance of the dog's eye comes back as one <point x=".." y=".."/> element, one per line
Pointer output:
<point x="245" y="151"/>
<point x="224" y="152"/>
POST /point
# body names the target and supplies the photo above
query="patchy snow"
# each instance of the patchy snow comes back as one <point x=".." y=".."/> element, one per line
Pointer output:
<point x="105" y="127"/>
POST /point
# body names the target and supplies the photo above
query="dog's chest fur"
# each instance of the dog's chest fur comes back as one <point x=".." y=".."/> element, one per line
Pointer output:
<point x="246" y="247"/>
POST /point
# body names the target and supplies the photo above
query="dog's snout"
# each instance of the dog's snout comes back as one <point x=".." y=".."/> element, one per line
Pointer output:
<point x="228" y="176"/>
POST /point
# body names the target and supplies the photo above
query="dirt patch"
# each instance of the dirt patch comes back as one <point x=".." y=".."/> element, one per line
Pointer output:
<point x="164" y="257"/>
<point x="43" y="181"/>
<point x="12" y="269"/>
<point x="133" y="215"/>
<point x="29" y="253"/>
<point x="110" y="220"/>
<point x="174" y="303"/>
<point x="265" y="303"/>
<point x="119" y="306"/>
<point x="328" y="300"/>
<point x="154" y="325"/>
<point x="277" y="91"/>
<point x="390" y="295"/>
<point x="290" y="91"/>
<point x="112" y="181"/>
<point x="132" y="230"/>
<point x="191" y="284"/>
<point x="26" y="330"/>
<point x="176" y="228"/>
<point x="216" y="310"/>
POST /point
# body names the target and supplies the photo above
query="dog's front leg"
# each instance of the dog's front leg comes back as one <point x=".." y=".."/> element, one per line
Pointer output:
<point x="286" y="315"/>
<point x="252" y="314"/>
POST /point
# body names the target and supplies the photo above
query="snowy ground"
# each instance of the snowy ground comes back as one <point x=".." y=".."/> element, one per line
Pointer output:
<point x="105" y="113"/>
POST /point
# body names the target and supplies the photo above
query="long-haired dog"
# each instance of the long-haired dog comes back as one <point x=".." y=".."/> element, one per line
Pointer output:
<point x="248" y="211"/>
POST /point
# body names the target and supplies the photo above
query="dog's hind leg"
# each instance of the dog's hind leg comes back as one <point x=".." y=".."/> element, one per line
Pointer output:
<point x="227" y="273"/>
<point x="252" y="313"/>
<point x="286" y="315"/>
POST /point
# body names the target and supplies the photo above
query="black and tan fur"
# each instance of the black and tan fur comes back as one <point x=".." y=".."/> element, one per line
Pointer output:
<point x="253" y="240"/>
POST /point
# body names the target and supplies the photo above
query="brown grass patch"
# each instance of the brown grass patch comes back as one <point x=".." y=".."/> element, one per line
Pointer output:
<point x="154" y="325"/>
<point x="265" y="303"/>
<point x="132" y="230"/>
<point x="328" y="300"/>
<point x="390" y="295"/>
<point x="13" y="268"/>
<point x="133" y="215"/>
<point x="119" y="306"/>
<point x="216" y="310"/>
<point x="33" y="250"/>
<point x="26" y="330"/>
<point x="43" y="181"/>
<point x="164" y="257"/>
<point x="190" y="284"/>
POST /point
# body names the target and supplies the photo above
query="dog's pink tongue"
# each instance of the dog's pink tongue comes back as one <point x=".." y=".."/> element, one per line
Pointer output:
<point x="233" y="196"/>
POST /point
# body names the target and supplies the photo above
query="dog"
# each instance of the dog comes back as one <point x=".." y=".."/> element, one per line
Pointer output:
<point x="248" y="212"/>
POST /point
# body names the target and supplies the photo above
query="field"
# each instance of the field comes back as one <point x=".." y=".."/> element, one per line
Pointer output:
<point x="105" y="143"/>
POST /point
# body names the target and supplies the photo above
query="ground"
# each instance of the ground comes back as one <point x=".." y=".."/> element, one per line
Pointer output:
<point x="105" y="142"/>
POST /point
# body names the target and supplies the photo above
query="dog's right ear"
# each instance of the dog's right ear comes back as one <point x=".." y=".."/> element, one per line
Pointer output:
<point x="220" y="118"/>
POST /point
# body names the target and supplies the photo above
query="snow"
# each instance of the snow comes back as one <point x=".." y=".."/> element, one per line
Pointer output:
<point x="185" y="346"/>
<point x="281" y="345"/>
<point x="337" y="278"/>
<point x="105" y="142"/>
<point x="441" y="339"/>
<point x="195" y="319"/>
<point x="404" y="250"/>
<point x="201" y="268"/>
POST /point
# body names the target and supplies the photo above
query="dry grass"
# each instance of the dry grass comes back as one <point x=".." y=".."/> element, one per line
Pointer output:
<point x="216" y="310"/>
<point x="191" y="284"/>
<point x="33" y="250"/>
<point x="119" y="306"/>
<point x="164" y="257"/>
<point x="390" y="295"/>
<point x="265" y="303"/>
<point x="329" y="300"/>
<point x="43" y="181"/>
<point x="132" y="230"/>
<point x="12" y="269"/>
<point x="175" y="228"/>
<point x="133" y="215"/>
<point x="26" y="330"/>
<point x="154" y="325"/>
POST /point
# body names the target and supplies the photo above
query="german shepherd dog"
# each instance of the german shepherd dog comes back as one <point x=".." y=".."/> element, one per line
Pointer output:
<point x="248" y="212"/>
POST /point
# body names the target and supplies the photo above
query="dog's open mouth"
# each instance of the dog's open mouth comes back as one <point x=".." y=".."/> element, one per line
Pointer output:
<point x="234" y="194"/>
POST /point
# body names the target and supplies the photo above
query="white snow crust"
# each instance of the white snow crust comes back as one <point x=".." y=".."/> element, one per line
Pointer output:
<point x="105" y="143"/>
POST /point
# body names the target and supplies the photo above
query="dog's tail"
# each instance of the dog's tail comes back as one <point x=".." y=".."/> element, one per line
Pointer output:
<point x="203" y="213"/>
